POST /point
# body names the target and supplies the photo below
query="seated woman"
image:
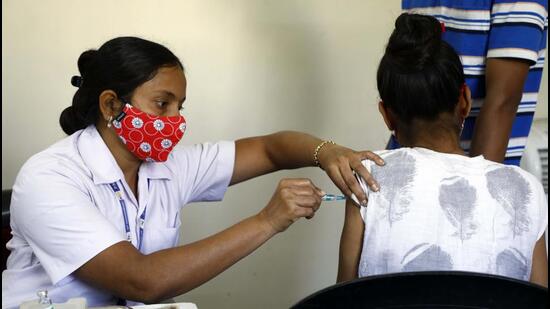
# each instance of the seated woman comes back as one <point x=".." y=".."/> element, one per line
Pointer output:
<point x="438" y="209"/>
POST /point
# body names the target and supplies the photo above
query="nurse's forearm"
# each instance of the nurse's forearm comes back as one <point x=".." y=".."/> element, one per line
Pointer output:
<point x="202" y="260"/>
<point x="128" y="274"/>
<point x="260" y="155"/>
<point x="176" y="271"/>
<point x="256" y="156"/>
<point x="290" y="149"/>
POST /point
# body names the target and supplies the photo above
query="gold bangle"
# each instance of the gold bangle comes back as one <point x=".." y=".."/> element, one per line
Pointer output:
<point x="316" y="152"/>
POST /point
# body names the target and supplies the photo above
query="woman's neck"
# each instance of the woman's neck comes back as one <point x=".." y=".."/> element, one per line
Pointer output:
<point x="437" y="136"/>
<point x="440" y="146"/>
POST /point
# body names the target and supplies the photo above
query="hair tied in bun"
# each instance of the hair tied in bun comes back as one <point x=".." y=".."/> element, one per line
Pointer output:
<point x="77" y="81"/>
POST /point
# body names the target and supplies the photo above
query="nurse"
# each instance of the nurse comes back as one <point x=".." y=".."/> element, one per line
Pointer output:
<point x="97" y="214"/>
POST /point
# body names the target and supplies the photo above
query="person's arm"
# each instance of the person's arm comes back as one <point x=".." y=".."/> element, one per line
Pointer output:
<point x="504" y="80"/>
<point x="260" y="155"/>
<point x="351" y="243"/>
<point x="539" y="269"/>
<point x="122" y="270"/>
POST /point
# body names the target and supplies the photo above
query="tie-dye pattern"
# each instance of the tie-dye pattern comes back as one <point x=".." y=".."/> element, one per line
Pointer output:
<point x="427" y="259"/>
<point x="458" y="199"/>
<point x="397" y="176"/>
<point x="438" y="211"/>
<point x="513" y="193"/>
<point x="512" y="263"/>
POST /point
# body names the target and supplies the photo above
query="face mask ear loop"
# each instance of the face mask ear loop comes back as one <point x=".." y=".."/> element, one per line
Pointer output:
<point x="109" y="121"/>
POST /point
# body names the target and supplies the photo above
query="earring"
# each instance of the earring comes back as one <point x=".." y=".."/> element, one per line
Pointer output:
<point x="109" y="121"/>
<point x="461" y="128"/>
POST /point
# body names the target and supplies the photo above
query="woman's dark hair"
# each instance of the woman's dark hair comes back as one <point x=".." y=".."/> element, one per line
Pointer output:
<point x="121" y="65"/>
<point x="420" y="75"/>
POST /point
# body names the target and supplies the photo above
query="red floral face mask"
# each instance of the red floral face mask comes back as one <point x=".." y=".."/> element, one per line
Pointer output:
<point x="148" y="137"/>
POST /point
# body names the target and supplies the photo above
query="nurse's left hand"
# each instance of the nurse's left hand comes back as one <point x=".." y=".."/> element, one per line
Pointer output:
<point x="340" y="162"/>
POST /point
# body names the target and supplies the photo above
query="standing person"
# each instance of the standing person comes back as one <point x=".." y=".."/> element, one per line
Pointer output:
<point x="97" y="215"/>
<point x="501" y="44"/>
<point x="438" y="209"/>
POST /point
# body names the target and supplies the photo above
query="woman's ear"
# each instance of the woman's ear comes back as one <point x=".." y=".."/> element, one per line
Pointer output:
<point x="386" y="115"/>
<point x="109" y="104"/>
<point x="464" y="102"/>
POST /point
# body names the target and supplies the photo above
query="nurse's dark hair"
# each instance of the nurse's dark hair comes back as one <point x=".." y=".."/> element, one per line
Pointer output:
<point x="121" y="65"/>
<point x="420" y="76"/>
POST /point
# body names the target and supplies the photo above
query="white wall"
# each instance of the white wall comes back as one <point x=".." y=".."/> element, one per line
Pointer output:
<point x="253" y="67"/>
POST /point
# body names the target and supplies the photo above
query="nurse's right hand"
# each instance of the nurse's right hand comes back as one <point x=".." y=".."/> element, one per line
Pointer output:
<point x="293" y="199"/>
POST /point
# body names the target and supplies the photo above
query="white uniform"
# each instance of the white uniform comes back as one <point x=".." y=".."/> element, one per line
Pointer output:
<point x="64" y="211"/>
<point x="439" y="211"/>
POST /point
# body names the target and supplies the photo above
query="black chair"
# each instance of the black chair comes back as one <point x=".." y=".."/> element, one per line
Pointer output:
<point x="430" y="290"/>
<point x="6" y="229"/>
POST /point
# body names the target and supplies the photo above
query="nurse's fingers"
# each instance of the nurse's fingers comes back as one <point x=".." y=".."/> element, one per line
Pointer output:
<point x="334" y="173"/>
<point x="292" y="199"/>
<point x="353" y="184"/>
<point x="307" y="190"/>
<point x="304" y="212"/>
<point x="308" y="201"/>
<point x="287" y="182"/>
<point x="366" y="154"/>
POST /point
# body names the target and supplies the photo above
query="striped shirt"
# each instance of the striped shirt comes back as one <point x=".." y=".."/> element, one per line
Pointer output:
<point x="480" y="29"/>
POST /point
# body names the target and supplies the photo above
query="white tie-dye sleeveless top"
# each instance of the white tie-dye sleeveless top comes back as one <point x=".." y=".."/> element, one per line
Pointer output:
<point x="438" y="211"/>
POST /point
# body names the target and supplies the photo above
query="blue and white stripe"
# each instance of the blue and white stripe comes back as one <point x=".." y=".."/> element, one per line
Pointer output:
<point x="520" y="12"/>
<point x="481" y="29"/>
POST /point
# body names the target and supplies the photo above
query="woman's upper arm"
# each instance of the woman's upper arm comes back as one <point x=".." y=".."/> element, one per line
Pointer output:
<point x="539" y="270"/>
<point x="350" y="243"/>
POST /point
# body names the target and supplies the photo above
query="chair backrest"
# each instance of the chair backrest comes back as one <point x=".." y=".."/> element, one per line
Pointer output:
<point x="6" y="229"/>
<point x="432" y="290"/>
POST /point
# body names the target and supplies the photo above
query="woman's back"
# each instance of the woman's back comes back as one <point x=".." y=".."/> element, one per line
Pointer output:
<point x="438" y="211"/>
